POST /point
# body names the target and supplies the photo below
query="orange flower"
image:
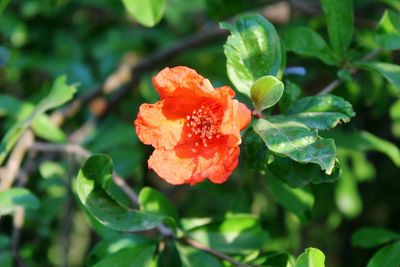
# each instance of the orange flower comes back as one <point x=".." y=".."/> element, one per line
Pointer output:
<point x="194" y="128"/>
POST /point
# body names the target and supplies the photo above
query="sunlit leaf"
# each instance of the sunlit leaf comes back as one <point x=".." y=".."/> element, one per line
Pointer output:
<point x="297" y="141"/>
<point x="266" y="92"/>
<point x="16" y="197"/>
<point x="321" y="112"/>
<point x="148" y="12"/>
<point x="253" y="50"/>
<point x="235" y="234"/>
<point x="311" y="257"/>
<point x="93" y="185"/>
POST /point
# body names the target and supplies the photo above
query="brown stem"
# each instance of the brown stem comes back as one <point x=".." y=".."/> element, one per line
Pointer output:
<point x="335" y="83"/>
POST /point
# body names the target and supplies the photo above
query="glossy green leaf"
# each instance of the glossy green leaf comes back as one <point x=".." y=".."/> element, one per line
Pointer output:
<point x="17" y="197"/>
<point x="340" y="23"/>
<point x="196" y="258"/>
<point x="253" y="50"/>
<point x="297" y="141"/>
<point x="153" y="201"/>
<point x="266" y="92"/>
<point x="235" y="234"/>
<point x="311" y="257"/>
<point x="147" y="13"/>
<point x="365" y="141"/>
<point x="140" y="255"/>
<point x="298" y="174"/>
<point x="370" y="237"/>
<point x="388" y="256"/>
<point x="59" y="94"/>
<point x="305" y="41"/>
<point x="297" y="200"/>
<point x="390" y="72"/>
<point x="321" y="112"/>
<point x="93" y="187"/>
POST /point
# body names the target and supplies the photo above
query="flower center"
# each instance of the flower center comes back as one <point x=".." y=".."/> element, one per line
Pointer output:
<point x="203" y="124"/>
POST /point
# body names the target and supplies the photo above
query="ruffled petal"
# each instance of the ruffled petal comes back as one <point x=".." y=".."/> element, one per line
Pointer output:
<point x="156" y="125"/>
<point x="185" y="165"/>
<point x="181" y="81"/>
<point x="243" y="116"/>
<point x="171" y="167"/>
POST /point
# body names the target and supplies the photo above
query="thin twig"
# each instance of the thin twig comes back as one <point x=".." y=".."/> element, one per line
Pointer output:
<point x="200" y="246"/>
<point x="10" y="171"/>
<point x="335" y="83"/>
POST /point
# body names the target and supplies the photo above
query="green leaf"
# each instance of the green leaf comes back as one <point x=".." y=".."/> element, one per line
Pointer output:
<point x="391" y="72"/>
<point x="340" y="22"/>
<point x="347" y="197"/>
<point x="291" y="93"/>
<point x="110" y="246"/>
<point x="297" y="200"/>
<point x="311" y="257"/>
<point x="365" y="141"/>
<point x="93" y="185"/>
<point x="320" y="112"/>
<point x="388" y="37"/>
<point x="297" y="141"/>
<point x="140" y="255"/>
<point x="169" y="255"/>
<point x="298" y="175"/>
<point x="147" y="13"/>
<point x="266" y="92"/>
<point x="153" y="201"/>
<point x="253" y="50"/>
<point x="195" y="258"/>
<point x="42" y="126"/>
<point x="388" y="256"/>
<point x="370" y="237"/>
<point x="17" y="197"/>
<point x="235" y="234"/>
<point x="59" y="94"/>
<point x="305" y="41"/>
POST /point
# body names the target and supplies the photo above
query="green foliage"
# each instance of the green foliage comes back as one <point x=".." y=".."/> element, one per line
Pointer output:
<point x="386" y="256"/>
<point x="297" y="141"/>
<point x="304" y="41"/>
<point x="93" y="187"/>
<point x="266" y="92"/>
<point x="148" y="13"/>
<point x="391" y="72"/>
<point x="340" y="23"/>
<point x="311" y="257"/>
<point x="320" y="112"/>
<point x="313" y="167"/>
<point x="372" y="237"/>
<point x="297" y="200"/>
<point x="240" y="234"/>
<point x="253" y="50"/>
<point x="13" y="198"/>
<point x="59" y="94"/>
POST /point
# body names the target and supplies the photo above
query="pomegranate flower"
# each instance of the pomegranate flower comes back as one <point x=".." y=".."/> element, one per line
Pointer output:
<point x="194" y="128"/>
